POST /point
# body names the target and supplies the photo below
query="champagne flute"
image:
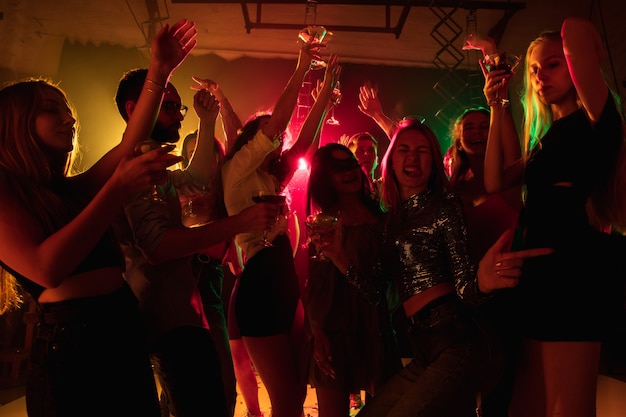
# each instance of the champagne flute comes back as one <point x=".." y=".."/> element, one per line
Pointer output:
<point x="323" y="225"/>
<point x="317" y="35"/>
<point x="145" y="147"/>
<point x="268" y="197"/>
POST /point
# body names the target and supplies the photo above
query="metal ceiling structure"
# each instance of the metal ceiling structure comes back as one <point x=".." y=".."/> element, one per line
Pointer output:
<point x="258" y="23"/>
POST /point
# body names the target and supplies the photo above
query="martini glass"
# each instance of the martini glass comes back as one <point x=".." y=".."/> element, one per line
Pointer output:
<point x="323" y="225"/>
<point x="317" y="35"/>
<point x="501" y="61"/>
<point x="268" y="197"/>
<point x="145" y="147"/>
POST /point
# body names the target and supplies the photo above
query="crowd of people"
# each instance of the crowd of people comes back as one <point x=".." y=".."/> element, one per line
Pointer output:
<point x="477" y="281"/>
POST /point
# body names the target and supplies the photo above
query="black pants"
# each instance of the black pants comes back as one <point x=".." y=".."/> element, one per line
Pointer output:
<point x="188" y="367"/>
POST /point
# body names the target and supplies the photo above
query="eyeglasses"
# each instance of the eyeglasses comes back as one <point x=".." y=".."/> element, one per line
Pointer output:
<point x="171" y="107"/>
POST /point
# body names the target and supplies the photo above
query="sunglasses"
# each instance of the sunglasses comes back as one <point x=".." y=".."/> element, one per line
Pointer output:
<point x="348" y="164"/>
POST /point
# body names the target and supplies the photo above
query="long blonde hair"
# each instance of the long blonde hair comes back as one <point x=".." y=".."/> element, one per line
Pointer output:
<point x="538" y="117"/>
<point x="606" y="206"/>
<point x="36" y="182"/>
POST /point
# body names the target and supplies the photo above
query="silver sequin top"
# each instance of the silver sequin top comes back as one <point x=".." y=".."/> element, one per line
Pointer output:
<point x="428" y="244"/>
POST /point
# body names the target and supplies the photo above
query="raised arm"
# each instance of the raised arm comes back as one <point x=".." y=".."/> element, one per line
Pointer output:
<point x="334" y="100"/>
<point x="503" y="159"/>
<point x="584" y="52"/>
<point x="309" y="133"/>
<point x="286" y="103"/>
<point x="370" y="106"/>
<point x="170" y="47"/>
<point x="203" y="164"/>
<point x="231" y="123"/>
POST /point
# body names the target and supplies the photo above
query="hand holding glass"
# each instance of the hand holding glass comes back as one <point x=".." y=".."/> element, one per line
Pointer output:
<point x="145" y="147"/>
<point x="315" y="34"/>
<point x="324" y="226"/>
<point x="269" y="197"/>
<point x="501" y="61"/>
<point x="336" y="99"/>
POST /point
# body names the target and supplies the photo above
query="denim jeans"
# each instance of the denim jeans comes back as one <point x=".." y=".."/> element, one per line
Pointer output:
<point x="443" y="378"/>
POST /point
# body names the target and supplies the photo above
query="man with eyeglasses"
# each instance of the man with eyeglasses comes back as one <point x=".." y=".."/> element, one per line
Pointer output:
<point x="158" y="251"/>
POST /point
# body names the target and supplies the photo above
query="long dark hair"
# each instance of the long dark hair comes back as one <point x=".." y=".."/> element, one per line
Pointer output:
<point x="459" y="164"/>
<point x="246" y="134"/>
<point x="39" y="183"/>
<point x="321" y="196"/>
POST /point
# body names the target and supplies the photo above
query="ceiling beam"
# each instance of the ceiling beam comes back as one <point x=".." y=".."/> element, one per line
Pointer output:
<point x="467" y="4"/>
<point x="509" y="7"/>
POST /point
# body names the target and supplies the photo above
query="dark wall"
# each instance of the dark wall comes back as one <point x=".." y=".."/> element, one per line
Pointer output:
<point x="89" y="75"/>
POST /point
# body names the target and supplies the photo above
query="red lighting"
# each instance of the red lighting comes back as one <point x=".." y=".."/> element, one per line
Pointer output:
<point x="302" y="164"/>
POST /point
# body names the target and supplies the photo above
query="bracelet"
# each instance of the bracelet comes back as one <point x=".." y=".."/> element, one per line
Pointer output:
<point x="163" y="89"/>
<point x="153" y="91"/>
<point x="504" y="102"/>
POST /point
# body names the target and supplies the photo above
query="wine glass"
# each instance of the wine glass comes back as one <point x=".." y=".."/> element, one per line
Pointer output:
<point x="145" y="147"/>
<point x="268" y="197"/>
<point x="188" y="210"/>
<point x="322" y="225"/>
<point x="501" y="61"/>
<point x="196" y="207"/>
<point x="316" y="34"/>
<point x="336" y="99"/>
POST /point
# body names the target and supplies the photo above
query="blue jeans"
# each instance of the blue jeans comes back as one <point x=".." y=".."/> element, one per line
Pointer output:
<point x="443" y="378"/>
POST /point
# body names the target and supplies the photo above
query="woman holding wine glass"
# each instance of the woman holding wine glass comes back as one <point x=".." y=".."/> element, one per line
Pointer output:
<point x="268" y="307"/>
<point x="352" y="345"/>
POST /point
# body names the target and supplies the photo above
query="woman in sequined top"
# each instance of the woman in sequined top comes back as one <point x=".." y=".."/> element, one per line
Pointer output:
<point x="426" y="240"/>
<point x="430" y="265"/>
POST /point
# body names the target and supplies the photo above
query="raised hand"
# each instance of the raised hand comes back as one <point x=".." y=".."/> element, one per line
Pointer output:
<point x="333" y="70"/>
<point x="309" y="51"/>
<point x="173" y="44"/>
<point x="486" y="45"/>
<point x="368" y="99"/>
<point x="208" y="85"/>
<point x="370" y="106"/>
<point x="496" y="86"/>
<point x="206" y="105"/>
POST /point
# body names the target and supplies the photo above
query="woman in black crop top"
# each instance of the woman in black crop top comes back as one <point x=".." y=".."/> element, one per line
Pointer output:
<point x="573" y="135"/>
<point x="55" y="240"/>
